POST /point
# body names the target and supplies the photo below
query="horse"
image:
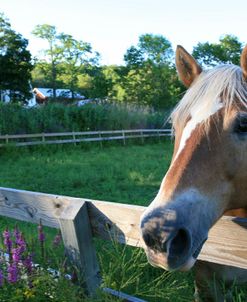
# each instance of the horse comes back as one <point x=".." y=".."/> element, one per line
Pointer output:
<point x="40" y="97"/>
<point x="207" y="176"/>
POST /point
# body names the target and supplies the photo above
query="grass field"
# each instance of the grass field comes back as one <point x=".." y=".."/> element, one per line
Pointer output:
<point x="115" y="173"/>
<point x="123" y="174"/>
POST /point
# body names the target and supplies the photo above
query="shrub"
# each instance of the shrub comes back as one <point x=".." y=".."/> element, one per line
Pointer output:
<point x="15" y="119"/>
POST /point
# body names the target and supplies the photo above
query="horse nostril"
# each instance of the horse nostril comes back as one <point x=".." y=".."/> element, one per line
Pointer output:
<point x="180" y="244"/>
<point x="148" y="239"/>
<point x="176" y="243"/>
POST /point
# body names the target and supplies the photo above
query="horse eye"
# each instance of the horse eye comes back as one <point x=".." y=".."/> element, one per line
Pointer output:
<point x="241" y="124"/>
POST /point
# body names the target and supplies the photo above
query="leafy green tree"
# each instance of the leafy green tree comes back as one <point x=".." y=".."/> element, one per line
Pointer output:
<point x="155" y="86"/>
<point x="134" y="57"/>
<point x="52" y="54"/>
<point x="154" y="49"/>
<point x="226" y="51"/>
<point x="15" y="62"/>
<point x="39" y="78"/>
<point x="76" y="56"/>
<point x="115" y="80"/>
<point x="66" y="63"/>
<point x="100" y="86"/>
<point x="151" y="77"/>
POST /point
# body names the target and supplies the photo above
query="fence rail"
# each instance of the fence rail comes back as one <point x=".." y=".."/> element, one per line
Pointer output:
<point x="77" y="137"/>
<point x="81" y="219"/>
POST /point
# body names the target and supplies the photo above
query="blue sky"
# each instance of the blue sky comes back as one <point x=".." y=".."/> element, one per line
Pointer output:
<point x="112" y="26"/>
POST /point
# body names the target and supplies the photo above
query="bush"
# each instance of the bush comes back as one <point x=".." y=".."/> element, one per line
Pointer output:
<point x="15" y="119"/>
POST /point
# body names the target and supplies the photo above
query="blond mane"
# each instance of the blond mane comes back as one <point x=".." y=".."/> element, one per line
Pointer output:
<point x="224" y="83"/>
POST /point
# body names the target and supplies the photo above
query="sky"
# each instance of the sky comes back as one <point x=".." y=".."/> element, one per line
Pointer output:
<point x="112" y="26"/>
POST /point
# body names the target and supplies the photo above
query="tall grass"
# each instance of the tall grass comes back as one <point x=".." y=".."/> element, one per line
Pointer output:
<point x="55" y="117"/>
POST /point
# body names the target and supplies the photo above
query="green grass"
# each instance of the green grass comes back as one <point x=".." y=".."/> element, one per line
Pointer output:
<point x="123" y="174"/>
<point x="130" y="174"/>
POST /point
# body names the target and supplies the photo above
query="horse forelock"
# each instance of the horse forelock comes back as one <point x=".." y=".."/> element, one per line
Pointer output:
<point x="223" y="84"/>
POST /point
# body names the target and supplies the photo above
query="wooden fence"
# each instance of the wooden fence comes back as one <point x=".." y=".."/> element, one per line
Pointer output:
<point x="81" y="219"/>
<point x="77" y="137"/>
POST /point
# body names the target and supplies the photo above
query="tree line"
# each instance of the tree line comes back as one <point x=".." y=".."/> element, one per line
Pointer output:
<point x="148" y="76"/>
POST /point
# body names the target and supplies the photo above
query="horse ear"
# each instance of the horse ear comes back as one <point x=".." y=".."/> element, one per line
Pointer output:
<point x="243" y="62"/>
<point x="187" y="67"/>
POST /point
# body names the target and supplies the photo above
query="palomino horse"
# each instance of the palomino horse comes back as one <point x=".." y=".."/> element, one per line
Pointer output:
<point x="207" y="176"/>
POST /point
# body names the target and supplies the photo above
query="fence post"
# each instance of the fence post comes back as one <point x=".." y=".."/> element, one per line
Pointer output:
<point x="43" y="137"/>
<point x="73" y="135"/>
<point x="7" y="138"/>
<point x="158" y="132"/>
<point x="101" y="145"/>
<point x="142" y="137"/>
<point x="123" y="134"/>
<point x="77" y="237"/>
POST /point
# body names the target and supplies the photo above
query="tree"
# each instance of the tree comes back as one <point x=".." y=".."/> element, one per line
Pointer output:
<point x="115" y="81"/>
<point x="75" y="56"/>
<point x="66" y="60"/>
<point x="53" y="53"/>
<point x="154" y="49"/>
<point x="151" y="77"/>
<point x="227" y="51"/>
<point x="94" y="83"/>
<point x="15" y="62"/>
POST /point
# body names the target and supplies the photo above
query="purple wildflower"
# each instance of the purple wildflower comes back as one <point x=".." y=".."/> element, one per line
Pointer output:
<point x="16" y="255"/>
<point x="20" y="241"/>
<point x="17" y="233"/>
<point x="41" y="239"/>
<point x="1" y="278"/>
<point x="12" y="273"/>
<point x="57" y="240"/>
<point x="7" y="240"/>
<point x="41" y="233"/>
<point x="20" y="247"/>
<point x="27" y="262"/>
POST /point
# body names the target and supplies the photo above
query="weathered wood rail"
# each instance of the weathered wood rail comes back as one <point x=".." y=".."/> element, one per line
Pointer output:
<point x="80" y="219"/>
<point x="78" y="137"/>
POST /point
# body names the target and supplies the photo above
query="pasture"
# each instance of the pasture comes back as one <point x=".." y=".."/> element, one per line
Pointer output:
<point x="130" y="174"/>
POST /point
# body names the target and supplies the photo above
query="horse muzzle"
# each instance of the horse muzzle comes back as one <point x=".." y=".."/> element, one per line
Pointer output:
<point x="170" y="244"/>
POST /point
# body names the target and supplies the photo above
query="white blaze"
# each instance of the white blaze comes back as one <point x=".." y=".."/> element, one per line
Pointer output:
<point x="198" y="115"/>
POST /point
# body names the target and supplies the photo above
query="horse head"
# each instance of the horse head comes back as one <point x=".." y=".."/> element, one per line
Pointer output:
<point x="208" y="172"/>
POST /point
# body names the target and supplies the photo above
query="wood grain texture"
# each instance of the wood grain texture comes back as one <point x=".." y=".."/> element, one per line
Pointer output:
<point x="227" y="242"/>
<point x="115" y="221"/>
<point x="77" y="237"/>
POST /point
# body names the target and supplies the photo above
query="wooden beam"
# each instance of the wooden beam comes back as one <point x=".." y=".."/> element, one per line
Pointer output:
<point x="115" y="221"/>
<point x="32" y="207"/>
<point x="227" y="242"/>
<point x="83" y="133"/>
<point x="81" y="139"/>
<point x="121" y="223"/>
<point x="16" y="137"/>
<point x="77" y="237"/>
